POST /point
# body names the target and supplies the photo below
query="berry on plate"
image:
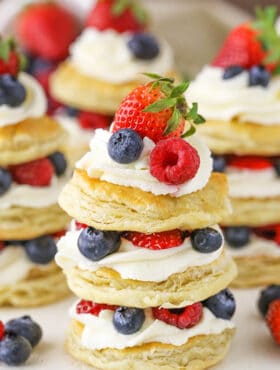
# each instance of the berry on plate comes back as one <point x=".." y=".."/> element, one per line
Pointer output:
<point x="206" y="240"/>
<point x="41" y="250"/>
<point x="12" y="92"/>
<point x="127" y="320"/>
<point x="237" y="236"/>
<point x="25" y="327"/>
<point x="89" y="307"/>
<point x="143" y="46"/>
<point x="268" y="295"/>
<point x="5" y="180"/>
<point x="156" y="241"/>
<point x="125" y="146"/>
<point x="92" y="121"/>
<point x="14" y="349"/>
<point x="273" y="319"/>
<point x="222" y="304"/>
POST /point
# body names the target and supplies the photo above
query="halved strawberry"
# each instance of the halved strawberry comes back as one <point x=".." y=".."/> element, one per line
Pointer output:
<point x="270" y="232"/>
<point x="250" y="162"/>
<point x="92" y="308"/>
<point x="273" y="319"/>
<point x="2" y="330"/>
<point x="92" y="121"/>
<point x="156" y="241"/>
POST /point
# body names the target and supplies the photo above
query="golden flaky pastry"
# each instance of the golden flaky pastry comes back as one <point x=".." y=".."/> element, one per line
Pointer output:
<point x="200" y="352"/>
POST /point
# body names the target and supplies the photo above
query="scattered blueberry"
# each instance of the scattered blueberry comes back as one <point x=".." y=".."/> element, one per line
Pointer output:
<point x="276" y="167"/>
<point x="97" y="244"/>
<point x="125" y="146"/>
<point x="59" y="163"/>
<point x="206" y="240"/>
<point x="41" y="250"/>
<point x="219" y="163"/>
<point x="268" y="295"/>
<point x="143" y="46"/>
<point x="14" y="349"/>
<point x="25" y="327"/>
<point x="258" y="75"/>
<point x="5" y="180"/>
<point x="237" y="236"/>
<point x="71" y="112"/>
<point x="222" y="304"/>
<point x="12" y="92"/>
<point x="232" y="71"/>
<point x="128" y="320"/>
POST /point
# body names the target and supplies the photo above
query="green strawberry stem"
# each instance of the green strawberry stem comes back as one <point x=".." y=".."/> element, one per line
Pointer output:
<point x="121" y="5"/>
<point x="6" y="47"/>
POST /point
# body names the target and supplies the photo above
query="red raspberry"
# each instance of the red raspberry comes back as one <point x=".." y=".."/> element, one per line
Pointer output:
<point x="183" y="318"/>
<point x="80" y="226"/>
<point x="273" y="319"/>
<point x="174" y="161"/>
<point x="92" y="121"/>
<point x="2" y="330"/>
<point x="156" y="241"/>
<point x="92" y="308"/>
<point x="250" y="162"/>
<point x="35" y="173"/>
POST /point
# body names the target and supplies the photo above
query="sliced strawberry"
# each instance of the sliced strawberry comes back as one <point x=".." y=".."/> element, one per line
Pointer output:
<point x="2" y="330"/>
<point x="2" y="245"/>
<point x="253" y="163"/>
<point x="59" y="234"/>
<point x="92" y="121"/>
<point x="92" y="308"/>
<point x="273" y="319"/>
<point x="80" y="226"/>
<point x="156" y="241"/>
<point x="270" y="232"/>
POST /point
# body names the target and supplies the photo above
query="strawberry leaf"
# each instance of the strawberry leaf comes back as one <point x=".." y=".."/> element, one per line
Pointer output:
<point x="173" y="122"/>
<point x="140" y="13"/>
<point x="160" y="105"/>
<point x="179" y="90"/>
<point x="189" y="132"/>
<point x="120" y="6"/>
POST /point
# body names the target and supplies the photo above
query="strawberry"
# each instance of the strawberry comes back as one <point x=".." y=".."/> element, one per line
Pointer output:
<point x="2" y="330"/>
<point x="273" y="319"/>
<point x="250" y="162"/>
<point x="35" y="173"/>
<point x="59" y="234"/>
<point x="92" y="308"/>
<point x="270" y="232"/>
<point x="92" y="121"/>
<point x="47" y="30"/>
<point x="2" y="245"/>
<point x="11" y="61"/>
<point x="156" y="241"/>
<point x="80" y="226"/>
<point x="117" y="15"/>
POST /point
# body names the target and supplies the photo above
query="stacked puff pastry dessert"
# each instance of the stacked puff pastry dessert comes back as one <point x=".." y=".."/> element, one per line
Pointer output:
<point x="105" y="63"/>
<point x="32" y="173"/>
<point x="239" y="96"/>
<point x="145" y="255"/>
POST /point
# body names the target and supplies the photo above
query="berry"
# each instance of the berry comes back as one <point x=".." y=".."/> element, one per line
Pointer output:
<point x="10" y="59"/>
<point x="156" y="241"/>
<point x="59" y="163"/>
<point x="222" y="304"/>
<point x="2" y="246"/>
<point x="27" y="328"/>
<point x="270" y="232"/>
<point x="35" y="173"/>
<point x="38" y="65"/>
<point x="89" y="307"/>
<point x="174" y="161"/>
<point x="96" y="244"/>
<point x="103" y="17"/>
<point x="12" y="92"/>
<point x="232" y="71"/>
<point x="277" y="166"/>
<point x="143" y="46"/>
<point x="273" y="319"/>
<point x="2" y="330"/>
<point x="47" y="30"/>
<point x="237" y="236"/>
<point x="253" y="163"/>
<point x="59" y="234"/>
<point x="259" y="76"/>
<point x="182" y="318"/>
<point x="41" y="250"/>
<point x="80" y="225"/>
<point x="219" y="163"/>
<point x="92" y="121"/>
<point x="14" y="349"/>
<point x="206" y="240"/>
<point x="71" y="112"/>
<point x="5" y="180"/>
<point x="268" y="295"/>
<point x="127" y="320"/>
<point x="125" y="146"/>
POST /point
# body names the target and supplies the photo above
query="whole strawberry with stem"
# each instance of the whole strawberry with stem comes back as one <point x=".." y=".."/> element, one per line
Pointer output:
<point x="11" y="60"/>
<point x="273" y="319"/>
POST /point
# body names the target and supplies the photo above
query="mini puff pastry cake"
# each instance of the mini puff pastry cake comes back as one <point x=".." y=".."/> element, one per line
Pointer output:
<point x="239" y="96"/>
<point x="32" y="173"/>
<point x="144" y="253"/>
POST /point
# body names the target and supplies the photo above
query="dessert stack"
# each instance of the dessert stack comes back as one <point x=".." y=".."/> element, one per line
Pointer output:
<point x="32" y="173"/>
<point x="239" y="96"/>
<point x="145" y="255"/>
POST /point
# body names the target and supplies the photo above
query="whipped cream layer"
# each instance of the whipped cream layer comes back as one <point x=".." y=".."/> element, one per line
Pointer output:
<point x="98" y="164"/>
<point x="104" y="55"/>
<point x="220" y="99"/>
<point x="133" y="262"/>
<point x="256" y="247"/>
<point x="34" y="105"/>
<point x="151" y="331"/>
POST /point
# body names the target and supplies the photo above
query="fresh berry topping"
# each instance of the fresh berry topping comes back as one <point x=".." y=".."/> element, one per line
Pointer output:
<point x="97" y="244"/>
<point x="219" y="163"/>
<point x="80" y="225"/>
<point x="14" y="349"/>
<point x="27" y="328"/>
<point x="59" y="163"/>
<point x="174" y="161"/>
<point x="259" y="76"/>
<point x="38" y="65"/>
<point x="127" y="320"/>
<point x="273" y="320"/>
<point x="270" y="232"/>
<point x="92" y="121"/>
<point x="89" y="307"/>
<point x="41" y="250"/>
<point x="2" y="330"/>
<point x="5" y="180"/>
<point x="121" y="16"/>
<point x="268" y="295"/>
<point x="47" y="30"/>
<point x="35" y="173"/>
<point x="253" y="163"/>
<point x="277" y="166"/>
<point x="2" y="245"/>
<point x="125" y="146"/>
<point x="11" y="60"/>
<point x="156" y="241"/>
<point x="232" y="71"/>
<point x="222" y="304"/>
<point x="12" y="92"/>
<point x="206" y="240"/>
<point x="237" y="236"/>
<point x="143" y="46"/>
<point x="181" y="318"/>
<point x="59" y="234"/>
<point x="71" y="112"/>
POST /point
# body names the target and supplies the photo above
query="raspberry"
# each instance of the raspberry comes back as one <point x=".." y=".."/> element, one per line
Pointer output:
<point x="34" y="173"/>
<point x="174" y="161"/>
<point x="183" y="318"/>
<point x="250" y="162"/>
<point x="2" y="330"/>
<point x="92" y="121"/>
<point x="273" y="319"/>
<point x="92" y="308"/>
<point x="80" y="226"/>
<point x="156" y="241"/>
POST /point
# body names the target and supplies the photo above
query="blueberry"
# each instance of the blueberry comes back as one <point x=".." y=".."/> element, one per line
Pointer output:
<point x="276" y="167"/>
<point x="206" y="240"/>
<point x="25" y="327"/>
<point x="71" y="112"/>
<point x="128" y="320"/>
<point x="59" y="163"/>
<point x="96" y="244"/>
<point x="143" y="46"/>
<point x="12" y="92"/>
<point x="41" y="250"/>
<point x="5" y="180"/>
<point x="232" y="71"/>
<point x="219" y="163"/>
<point x="14" y="349"/>
<point x="222" y="304"/>
<point x="268" y="295"/>
<point x="258" y="75"/>
<point x="237" y="236"/>
<point x="125" y="146"/>
<point x="39" y="65"/>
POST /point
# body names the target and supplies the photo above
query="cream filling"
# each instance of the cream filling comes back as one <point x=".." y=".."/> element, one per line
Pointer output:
<point x="256" y="247"/>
